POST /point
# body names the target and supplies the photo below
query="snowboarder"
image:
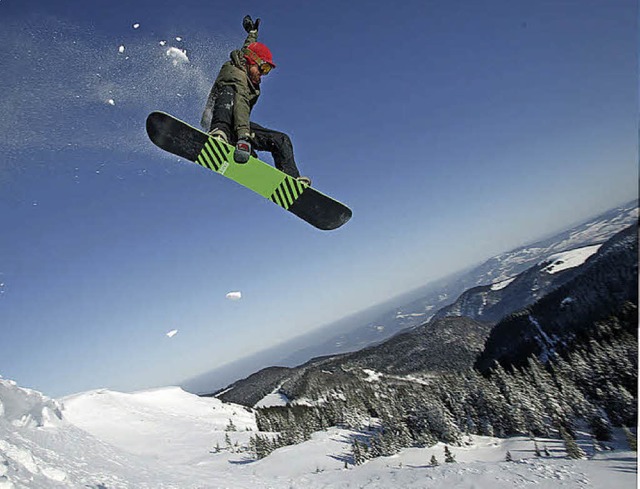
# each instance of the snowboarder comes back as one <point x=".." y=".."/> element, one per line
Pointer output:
<point x="233" y="96"/>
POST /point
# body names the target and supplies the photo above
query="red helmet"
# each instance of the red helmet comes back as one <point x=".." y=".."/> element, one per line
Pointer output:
<point x="261" y="51"/>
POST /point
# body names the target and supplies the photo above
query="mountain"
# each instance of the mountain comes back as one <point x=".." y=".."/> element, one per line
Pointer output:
<point x="562" y="285"/>
<point x="493" y="302"/>
<point x="444" y="345"/>
<point x="383" y="321"/>
<point x="596" y="230"/>
<point x="575" y="347"/>
<point x="606" y="282"/>
<point x="502" y="268"/>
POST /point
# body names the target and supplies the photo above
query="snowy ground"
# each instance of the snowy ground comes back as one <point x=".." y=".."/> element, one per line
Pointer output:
<point x="166" y="438"/>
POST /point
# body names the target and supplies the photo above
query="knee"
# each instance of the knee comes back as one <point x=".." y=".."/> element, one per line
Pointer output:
<point x="283" y="140"/>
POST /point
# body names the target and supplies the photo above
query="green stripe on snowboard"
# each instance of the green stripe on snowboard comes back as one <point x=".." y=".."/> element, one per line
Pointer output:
<point x="255" y="175"/>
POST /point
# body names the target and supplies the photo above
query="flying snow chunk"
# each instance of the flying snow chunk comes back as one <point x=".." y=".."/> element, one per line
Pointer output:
<point x="136" y="25"/>
<point x="172" y="333"/>
<point x="178" y="39"/>
<point x="178" y="56"/>
<point x="234" y="296"/>
<point x="163" y="43"/>
<point x="111" y="102"/>
<point x="121" y="49"/>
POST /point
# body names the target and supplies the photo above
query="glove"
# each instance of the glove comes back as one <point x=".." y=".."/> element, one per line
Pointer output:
<point x="243" y="151"/>
<point x="249" y="25"/>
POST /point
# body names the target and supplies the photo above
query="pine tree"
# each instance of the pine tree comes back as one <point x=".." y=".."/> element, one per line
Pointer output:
<point x="261" y="446"/>
<point x="230" y="426"/>
<point x="572" y="448"/>
<point x="508" y="457"/>
<point x="620" y="404"/>
<point x="227" y="441"/>
<point x="434" y="461"/>
<point x="595" y="444"/>
<point x="536" y="449"/>
<point x="357" y="452"/>
<point x="448" y="456"/>
<point x="632" y="440"/>
<point x="600" y="425"/>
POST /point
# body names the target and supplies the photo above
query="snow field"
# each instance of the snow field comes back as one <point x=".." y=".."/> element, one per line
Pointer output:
<point x="166" y="438"/>
<point x="570" y="259"/>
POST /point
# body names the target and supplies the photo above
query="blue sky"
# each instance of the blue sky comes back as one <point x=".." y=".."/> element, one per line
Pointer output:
<point x="454" y="130"/>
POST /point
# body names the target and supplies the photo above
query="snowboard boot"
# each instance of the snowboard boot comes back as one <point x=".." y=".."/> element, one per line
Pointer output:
<point x="219" y="134"/>
<point x="304" y="180"/>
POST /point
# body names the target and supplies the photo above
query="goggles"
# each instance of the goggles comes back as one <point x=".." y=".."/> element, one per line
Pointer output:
<point x="265" y="67"/>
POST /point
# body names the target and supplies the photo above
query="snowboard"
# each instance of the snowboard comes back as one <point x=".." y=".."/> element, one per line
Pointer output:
<point x="184" y="140"/>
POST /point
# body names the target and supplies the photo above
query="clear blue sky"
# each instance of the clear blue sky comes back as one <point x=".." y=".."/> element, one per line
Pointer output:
<point x="454" y="130"/>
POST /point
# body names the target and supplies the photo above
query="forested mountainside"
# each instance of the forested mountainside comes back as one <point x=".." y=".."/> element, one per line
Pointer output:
<point x="569" y="358"/>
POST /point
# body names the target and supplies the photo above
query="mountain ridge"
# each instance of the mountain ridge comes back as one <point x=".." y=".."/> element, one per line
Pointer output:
<point x="374" y="326"/>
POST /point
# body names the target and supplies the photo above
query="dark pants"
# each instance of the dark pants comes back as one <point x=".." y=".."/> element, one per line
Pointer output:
<point x="277" y="143"/>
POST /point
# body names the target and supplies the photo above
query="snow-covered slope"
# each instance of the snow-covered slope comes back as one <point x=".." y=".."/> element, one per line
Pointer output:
<point x="569" y="259"/>
<point x="163" y="438"/>
<point x="40" y="449"/>
<point x="167" y="424"/>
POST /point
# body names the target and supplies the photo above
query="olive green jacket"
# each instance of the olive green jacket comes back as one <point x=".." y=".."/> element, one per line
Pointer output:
<point x="233" y="73"/>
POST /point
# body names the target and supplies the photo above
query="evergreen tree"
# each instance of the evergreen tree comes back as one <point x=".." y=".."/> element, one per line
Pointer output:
<point x="434" y="461"/>
<point x="227" y="441"/>
<point x="508" y="457"/>
<point x="441" y="423"/>
<point x="621" y="405"/>
<point x="448" y="456"/>
<point x="571" y="446"/>
<point x="632" y="439"/>
<point x="600" y="425"/>
<point x="358" y="452"/>
<point x="230" y="426"/>
<point x="595" y="444"/>
<point x="261" y="446"/>
<point x="512" y="417"/>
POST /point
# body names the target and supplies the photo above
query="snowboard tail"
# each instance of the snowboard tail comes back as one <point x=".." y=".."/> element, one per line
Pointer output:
<point x="181" y="139"/>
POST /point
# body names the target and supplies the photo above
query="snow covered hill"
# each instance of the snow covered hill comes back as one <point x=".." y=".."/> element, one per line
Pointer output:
<point x="187" y="427"/>
<point x="39" y="448"/>
<point x="164" y="438"/>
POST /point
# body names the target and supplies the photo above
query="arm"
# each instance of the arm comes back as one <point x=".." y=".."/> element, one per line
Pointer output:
<point x="241" y="114"/>
<point x="252" y="30"/>
<point x="252" y="36"/>
<point x="242" y="106"/>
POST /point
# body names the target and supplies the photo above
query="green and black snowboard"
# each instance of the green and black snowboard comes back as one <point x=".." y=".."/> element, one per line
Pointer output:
<point x="179" y="138"/>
